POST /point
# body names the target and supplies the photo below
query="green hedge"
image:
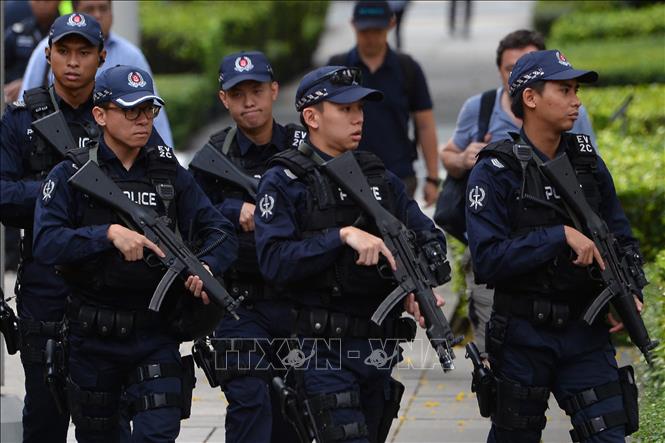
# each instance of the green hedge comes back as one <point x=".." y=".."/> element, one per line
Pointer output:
<point x="609" y="24"/>
<point x="645" y="114"/>
<point x="547" y="12"/>
<point x="637" y="164"/>
<point x="652" y="380"/>
<point x="191" y="37"/>
<point x="619" y="62"/>
<point x="177" y="91"/>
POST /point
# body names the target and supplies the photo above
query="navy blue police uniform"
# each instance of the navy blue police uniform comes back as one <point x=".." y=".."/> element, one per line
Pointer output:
<point x="343" y="357"/>
<point x="20" y="40"/>
<point x="245" y="348"/>
<point x="25" y="160"/>
<point x="122" y="356"/>
<point x="536" y="339"/>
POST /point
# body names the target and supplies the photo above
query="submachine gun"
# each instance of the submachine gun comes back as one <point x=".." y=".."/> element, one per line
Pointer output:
<point x="213" y="162"/>
<point x="623" y="275"/>
<point x="416" y="273"/>
<point x="91" y="180"/>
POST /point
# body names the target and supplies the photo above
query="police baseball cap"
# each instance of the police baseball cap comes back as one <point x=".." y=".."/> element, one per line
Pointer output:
<point x="337" y="84"/>
<point x="80" y="24"/>
<point x="126" y="86"/>
<point x="242" y="66"/>
<point x="545" y="65"/>
<point x="372" y="15"/>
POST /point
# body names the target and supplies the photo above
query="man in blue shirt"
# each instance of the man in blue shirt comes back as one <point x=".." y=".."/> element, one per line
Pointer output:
<point x="310" y="249"/>
<point x="117" y="348"/>
<point x="459" y="154"/>
<point x="75" y="50"/>
<point x="119" y="52"/>
<point x="401" y="80"/>
<point x="248" y="90"/>
<point x="523" y="243"/>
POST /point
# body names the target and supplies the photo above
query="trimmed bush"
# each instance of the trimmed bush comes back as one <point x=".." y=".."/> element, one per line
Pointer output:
<point x="645" y="114"/>
<point x="193" y="36"/>
<point x="547" y="12"/>
<point x="637" y="164"/>
<point x="609" y="24"/>
<point x="652" y="380"/>
<point x="185" y="113"/>
<point x="630" y="61"/>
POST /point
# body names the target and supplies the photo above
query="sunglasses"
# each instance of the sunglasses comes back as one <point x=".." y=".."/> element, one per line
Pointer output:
<point x="342" y="77"/>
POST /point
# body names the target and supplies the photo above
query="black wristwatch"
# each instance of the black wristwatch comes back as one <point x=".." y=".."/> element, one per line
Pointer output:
<point x="435" y="181"/>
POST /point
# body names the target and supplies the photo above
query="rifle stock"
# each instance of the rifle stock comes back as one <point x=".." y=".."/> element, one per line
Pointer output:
<point x="54" y="128"/>
<point x="213" y="162"/>
<point x="91" y="180"/>
<point x="411" y="274"/>
<point x="620" y="285"/>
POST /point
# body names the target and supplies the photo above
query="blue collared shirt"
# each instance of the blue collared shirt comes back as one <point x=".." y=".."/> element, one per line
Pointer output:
<point x="59" y="237"/>
<point x="119" y="51"/>
<point x="386" y="125"/>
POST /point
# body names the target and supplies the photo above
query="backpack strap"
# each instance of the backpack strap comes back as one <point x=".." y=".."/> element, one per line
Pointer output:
<point x="295" y="134"/>
<point x="407" y="66"/>
<point x="487" y="100"/>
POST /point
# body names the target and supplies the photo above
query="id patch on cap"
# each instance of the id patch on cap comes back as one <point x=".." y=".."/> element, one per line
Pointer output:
<point x="48" y="189"/>
<point x="243" y="64"/>
<point x="267" y="206"/>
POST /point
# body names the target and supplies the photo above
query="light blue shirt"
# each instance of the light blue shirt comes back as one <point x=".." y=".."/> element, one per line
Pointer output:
<point x="500" y="123"/>
<point x="119" y="51"/>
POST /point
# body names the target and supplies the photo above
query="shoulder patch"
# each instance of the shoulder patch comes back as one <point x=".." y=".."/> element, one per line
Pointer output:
<point x="290" y="174"/>
<point x="476" y="198"/>
<point x="48" y="189"/>
<point x="266" y="206"/>
<point x="18" y="27"/>
<point x="583" y="143"/>
<point x="19" y="103"/>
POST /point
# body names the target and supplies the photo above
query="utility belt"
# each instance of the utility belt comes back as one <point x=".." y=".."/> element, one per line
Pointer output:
<point x="34" y="334"/>
<point x="329" y="324"/>
<point x="107" y="321"/>
<point x="540" y="311"/>
<point x="248" y="290"/>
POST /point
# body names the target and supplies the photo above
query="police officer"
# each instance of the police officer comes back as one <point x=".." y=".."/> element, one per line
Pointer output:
<point x="523" y="243"/>
<point x="248" y="90"/>
<point x="21" y="39"/>
<point x="116" y="346"/>
<point x="309" y="250"/>
<point x="75" y="51"/>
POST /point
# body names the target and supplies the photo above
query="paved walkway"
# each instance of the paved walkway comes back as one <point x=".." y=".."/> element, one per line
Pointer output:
<point x="436" y="406"/>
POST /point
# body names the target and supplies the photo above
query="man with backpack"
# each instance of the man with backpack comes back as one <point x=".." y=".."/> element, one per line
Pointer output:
<point x="400" y="78"/>
<point x="486" y="118"/>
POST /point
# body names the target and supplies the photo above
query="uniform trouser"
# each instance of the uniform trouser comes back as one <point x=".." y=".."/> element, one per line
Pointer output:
<point x="568" y="361"/>
<point x="41" y="420"/>
<point x="480" y="303"/>
<point x="104" y="365"/>
<point x="351" y="365"/>
<point x="253" y="414"/>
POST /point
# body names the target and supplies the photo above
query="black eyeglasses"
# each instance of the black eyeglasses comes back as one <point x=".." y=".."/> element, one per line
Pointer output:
<point x="343" y="77"/>
<point x="132" y="114"/>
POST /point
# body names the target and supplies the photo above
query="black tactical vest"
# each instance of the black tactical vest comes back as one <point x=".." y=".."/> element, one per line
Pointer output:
<point x="246" y="267"/>
<point x="541" y="206"/>
<point x="41" y="157"/>
<point x="327" y="206"/>
<point x="107" y="278"/>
